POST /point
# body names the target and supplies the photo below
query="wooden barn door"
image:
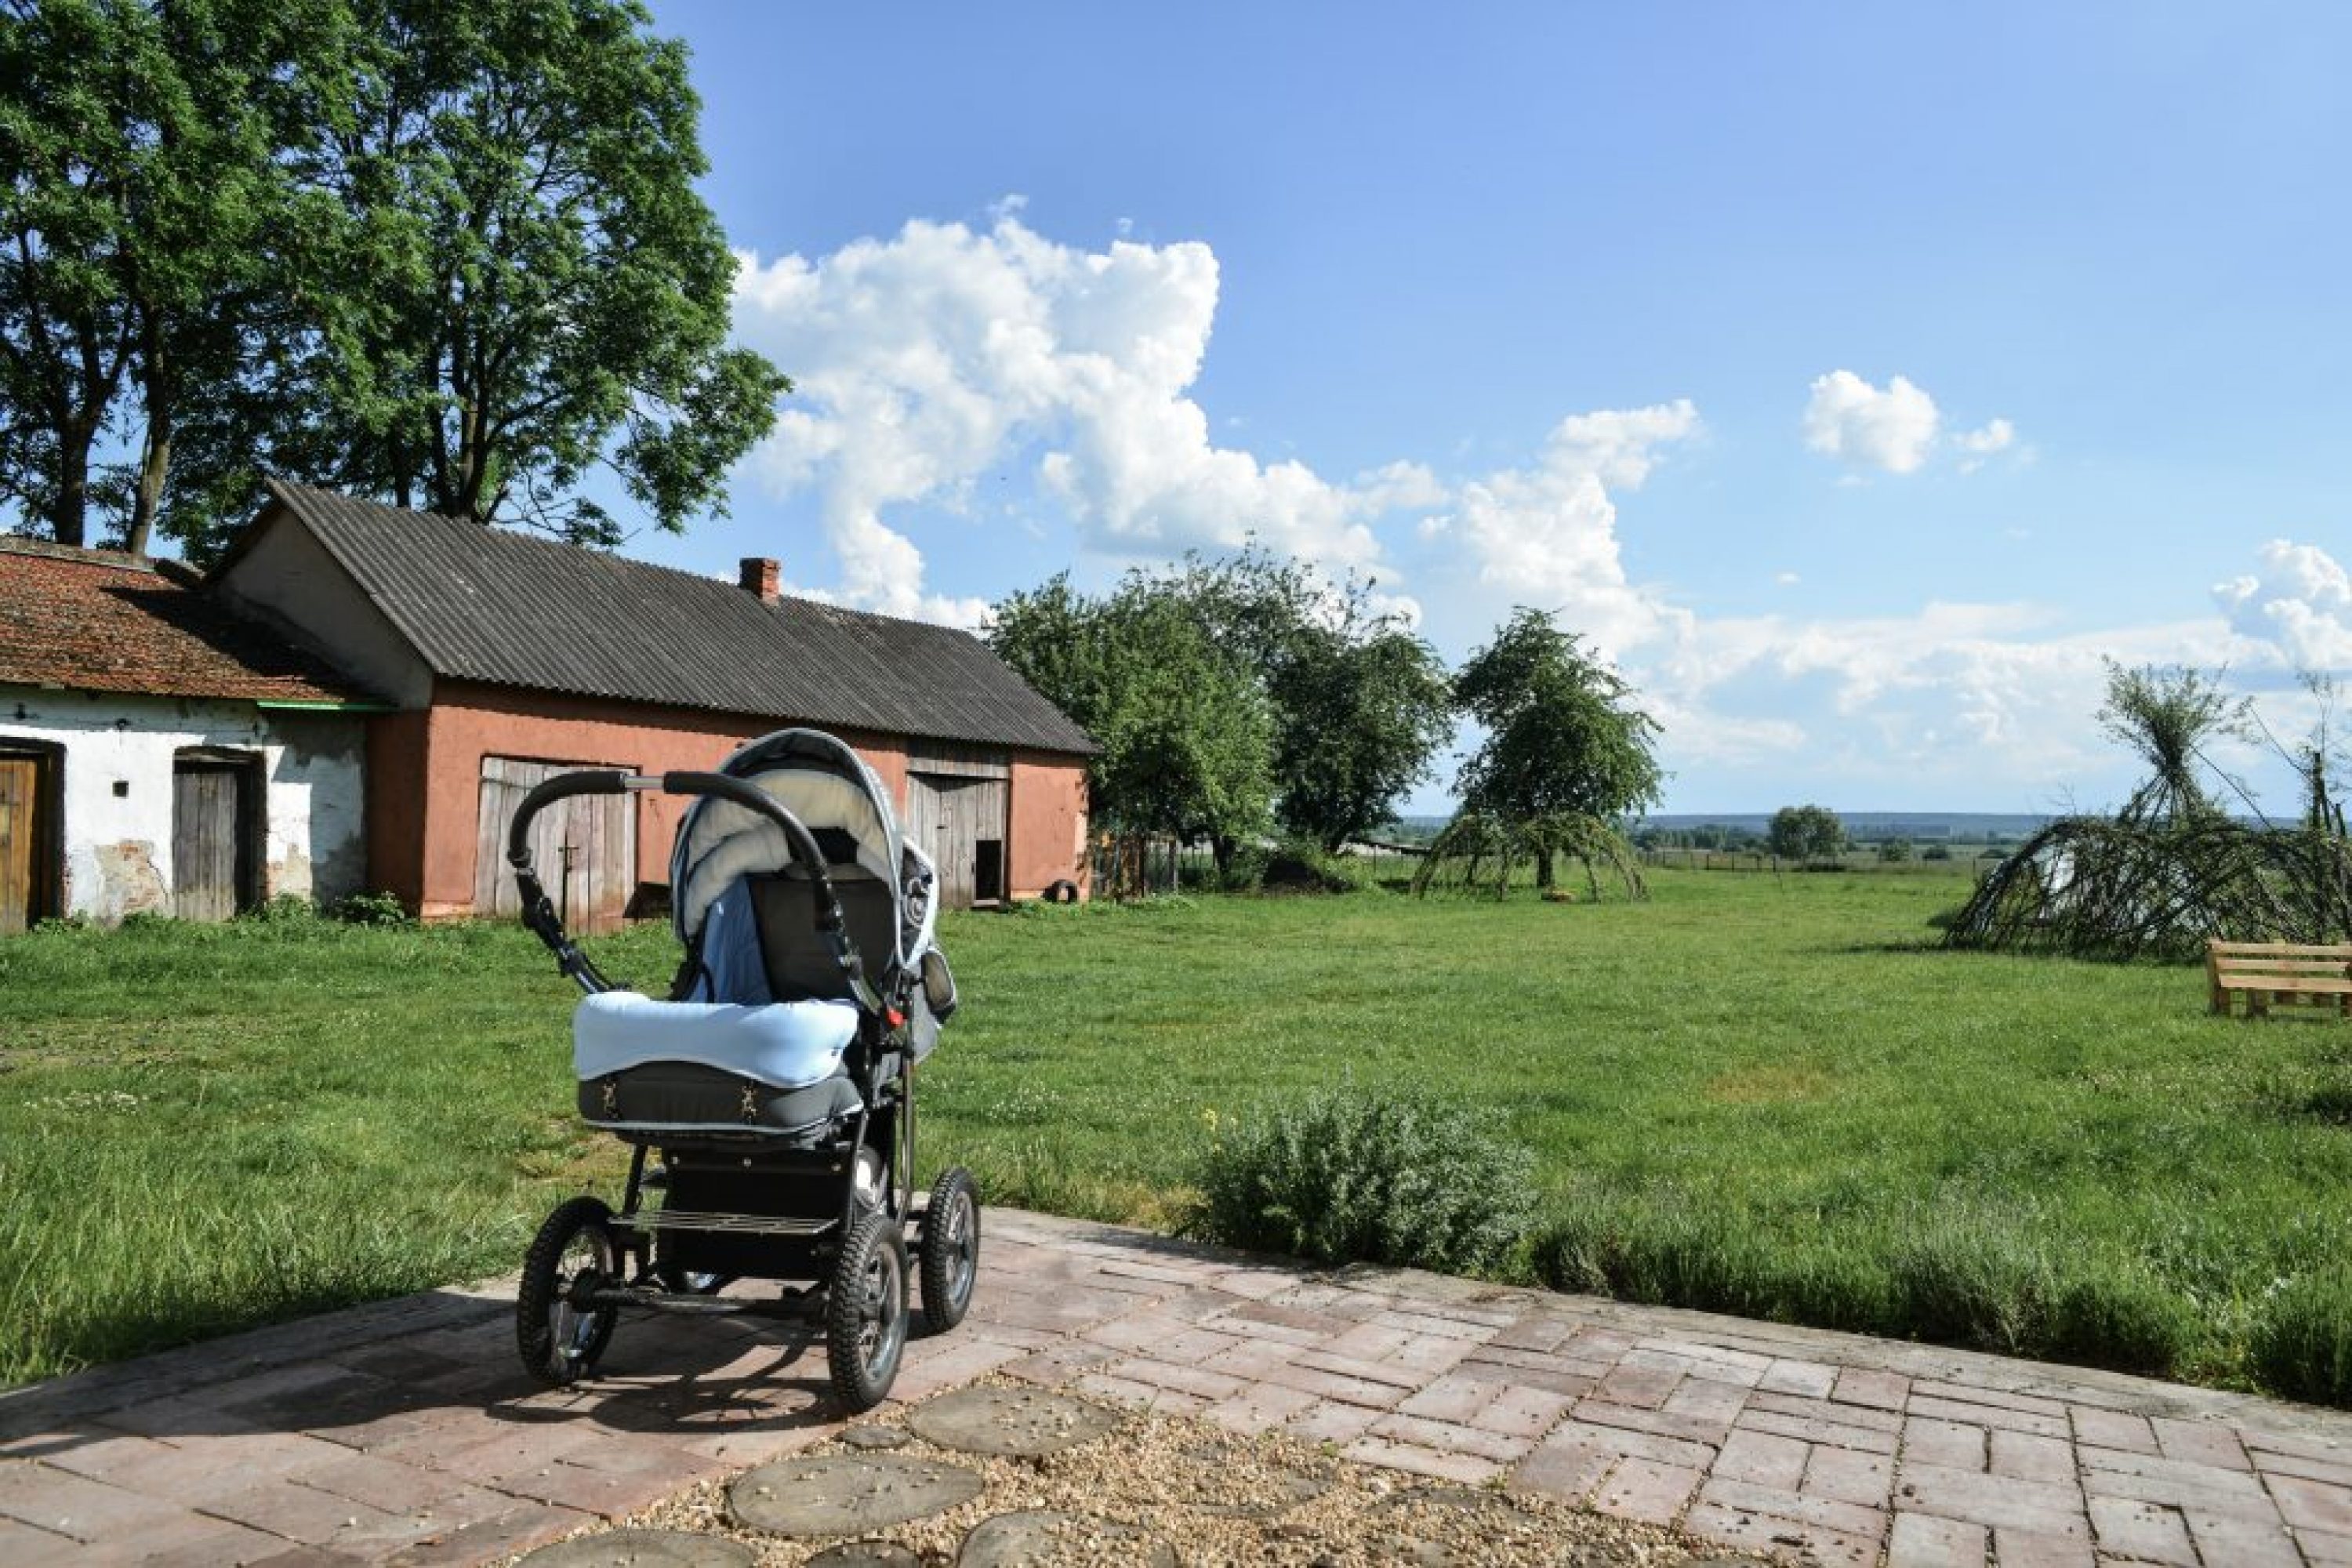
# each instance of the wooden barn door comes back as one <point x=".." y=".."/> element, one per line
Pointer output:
<point x="30" y="842"/>
<point x="215" y="834"/>
<point x="956" y="812"/>
<point x="585" y="848"/>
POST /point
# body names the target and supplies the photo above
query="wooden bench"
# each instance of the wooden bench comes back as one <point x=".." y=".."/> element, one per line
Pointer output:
<point x="2267" y="972"/>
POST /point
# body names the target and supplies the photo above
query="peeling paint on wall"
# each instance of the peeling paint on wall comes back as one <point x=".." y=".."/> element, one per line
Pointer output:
<point x="122" y="880"/>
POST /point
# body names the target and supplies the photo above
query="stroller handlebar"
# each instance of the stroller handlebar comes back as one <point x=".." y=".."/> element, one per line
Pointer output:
<point x="538" y="912"/>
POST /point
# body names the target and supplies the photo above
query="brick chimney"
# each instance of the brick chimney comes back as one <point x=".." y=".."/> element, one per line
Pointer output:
<point x="762" y="577"/>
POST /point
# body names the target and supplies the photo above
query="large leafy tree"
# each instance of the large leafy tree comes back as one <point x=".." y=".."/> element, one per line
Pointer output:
<point x="1186" y="735"/>
<point x="1562" y="733"/>
<point x="1360" y="702"/>
<point x="145" y="204"/>
<point x="1806" y="833"/>
<point x="531" y="289"/>
<point x="445" y="252"/>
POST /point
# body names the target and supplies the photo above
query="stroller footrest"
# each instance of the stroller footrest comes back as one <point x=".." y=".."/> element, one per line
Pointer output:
<point x="730" y="1224"/>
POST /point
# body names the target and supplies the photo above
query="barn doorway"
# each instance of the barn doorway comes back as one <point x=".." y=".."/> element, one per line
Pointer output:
<point x="32" y="834"/>
<point x="217" y="829"/>
<point x="585" y="848"/>
<point x="957" y="811"/>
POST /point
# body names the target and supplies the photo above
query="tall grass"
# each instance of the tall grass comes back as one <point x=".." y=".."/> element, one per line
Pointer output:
<point x="206" y="1128"/>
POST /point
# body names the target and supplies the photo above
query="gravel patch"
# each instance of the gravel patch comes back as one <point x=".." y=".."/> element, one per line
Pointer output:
<point x="1215" y="1498"/>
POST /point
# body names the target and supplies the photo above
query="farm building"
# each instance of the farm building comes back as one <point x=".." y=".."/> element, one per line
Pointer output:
<point x="160" y="754"/>
<point x="507" y="657"/>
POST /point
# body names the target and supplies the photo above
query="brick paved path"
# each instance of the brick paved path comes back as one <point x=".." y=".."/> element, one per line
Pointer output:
<point x="400" y="1434"/>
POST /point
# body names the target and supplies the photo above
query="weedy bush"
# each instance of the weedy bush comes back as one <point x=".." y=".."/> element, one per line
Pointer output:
<point x="2303" y="1338"/>
<point x="1295" y="866"/>
<point x="1357" y="1175"/>
<point x="1244" y="874"/>
<point x="373" y="910"/>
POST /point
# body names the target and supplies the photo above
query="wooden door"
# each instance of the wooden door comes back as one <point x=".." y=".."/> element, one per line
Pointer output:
<point x="926" y="816"/>
<point x="585" y="848"/>
<point x="215" y="858"/>
<point x="959" y="823"/>
<point x="983" y="801"/>
<point x="29" y="841"/>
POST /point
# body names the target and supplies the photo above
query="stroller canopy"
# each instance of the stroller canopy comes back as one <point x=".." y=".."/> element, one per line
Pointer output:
<point x="837" y="798"/>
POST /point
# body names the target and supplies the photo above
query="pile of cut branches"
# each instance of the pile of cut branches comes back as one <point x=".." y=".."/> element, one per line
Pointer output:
<point x="2173" y="869"/>
<point x="2097" y="887"/>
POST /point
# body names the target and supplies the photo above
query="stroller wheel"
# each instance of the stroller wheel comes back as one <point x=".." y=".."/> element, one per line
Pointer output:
<point x="951" y="1249"/>
<point x="560" y="1339"/>
<point x="866" y="1313"/>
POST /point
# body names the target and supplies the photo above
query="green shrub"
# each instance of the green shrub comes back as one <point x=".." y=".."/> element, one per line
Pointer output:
<point x="2303" y="1338"/>
<point x="1354" y="1175"/>
<point x="1295" y="866"/>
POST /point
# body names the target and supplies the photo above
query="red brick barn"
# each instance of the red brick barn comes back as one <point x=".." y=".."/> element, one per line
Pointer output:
<point x="508" y="657"/>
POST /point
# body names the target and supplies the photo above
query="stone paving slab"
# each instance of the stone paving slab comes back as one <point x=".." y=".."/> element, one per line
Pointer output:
<point x="403" y="1433"/>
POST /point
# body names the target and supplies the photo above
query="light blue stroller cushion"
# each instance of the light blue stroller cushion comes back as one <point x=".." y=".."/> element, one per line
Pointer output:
<point x="787" y="1045"/>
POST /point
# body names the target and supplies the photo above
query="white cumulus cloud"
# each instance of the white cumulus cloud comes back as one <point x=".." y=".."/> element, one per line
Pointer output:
<point x="1896" y="428"/>
<point x="927" y="360"/>
<point x="1545" y="534"/>
<point x="2299" y="603"/>
<point x="1892" y="428"/>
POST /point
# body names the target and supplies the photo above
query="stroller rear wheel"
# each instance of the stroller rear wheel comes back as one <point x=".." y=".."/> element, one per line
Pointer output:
<point x="866" y="1313"/>
<point x="951" y="1249"/>
<point x="561" y="1339"/>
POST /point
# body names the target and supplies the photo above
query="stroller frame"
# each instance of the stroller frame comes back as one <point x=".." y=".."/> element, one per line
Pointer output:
<point x="829" y="1211"/>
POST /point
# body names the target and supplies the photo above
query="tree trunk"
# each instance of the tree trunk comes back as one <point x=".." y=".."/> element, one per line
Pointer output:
<point x="155" y="462"/>
<point x="155" y="454"/>
<point x="69" y="508"/>
<point x="1545" y="877"/>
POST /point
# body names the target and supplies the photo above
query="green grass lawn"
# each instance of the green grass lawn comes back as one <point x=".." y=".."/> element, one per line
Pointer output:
<point x="1768" y="1095"/>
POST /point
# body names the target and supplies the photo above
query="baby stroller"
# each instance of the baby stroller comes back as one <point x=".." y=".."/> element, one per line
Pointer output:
<point x="776" y="1087"/>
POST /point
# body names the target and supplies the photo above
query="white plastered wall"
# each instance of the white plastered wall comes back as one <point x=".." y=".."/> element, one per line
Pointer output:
<point x="118" y="846"/>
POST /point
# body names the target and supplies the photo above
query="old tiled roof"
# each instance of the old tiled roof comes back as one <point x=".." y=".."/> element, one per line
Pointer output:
<point x="89" y="620"/>
<point x="494" y="606"/>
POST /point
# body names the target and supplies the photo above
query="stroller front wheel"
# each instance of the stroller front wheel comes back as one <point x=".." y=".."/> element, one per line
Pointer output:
<point x="561" y="1339"/>
<point x="866" y="1313"/>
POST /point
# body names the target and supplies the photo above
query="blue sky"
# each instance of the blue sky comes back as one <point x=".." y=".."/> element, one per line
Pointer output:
<point x="1602" y="309"/>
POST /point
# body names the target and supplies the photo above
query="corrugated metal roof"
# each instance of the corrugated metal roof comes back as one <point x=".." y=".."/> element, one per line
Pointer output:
<point x="91" y="620"/>
<point x="489" y="604"/>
